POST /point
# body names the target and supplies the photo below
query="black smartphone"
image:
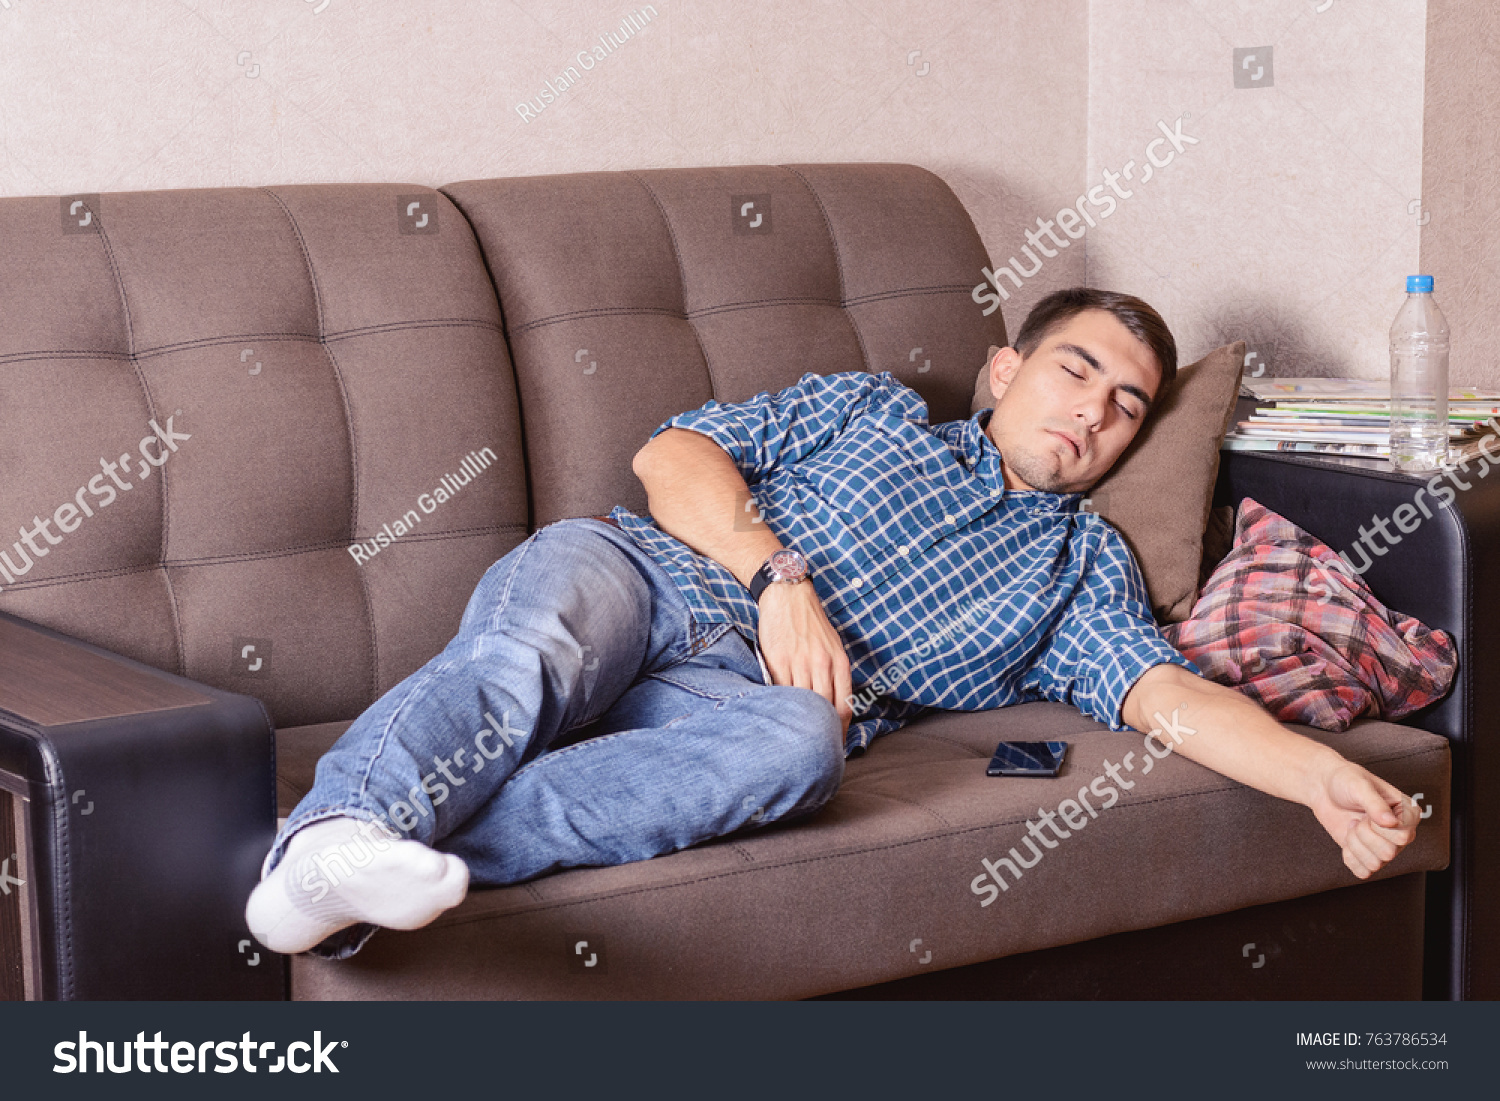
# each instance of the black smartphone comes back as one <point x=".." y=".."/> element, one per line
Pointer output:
<point x="1027" y="759"/>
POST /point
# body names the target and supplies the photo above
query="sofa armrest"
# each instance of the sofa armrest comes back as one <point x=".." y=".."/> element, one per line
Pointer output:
<point x="1446" y="572"/>
<point x="138" y="806"/>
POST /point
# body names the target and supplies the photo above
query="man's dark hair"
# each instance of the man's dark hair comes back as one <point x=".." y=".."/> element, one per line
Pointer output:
<point x="1144" y="323"/>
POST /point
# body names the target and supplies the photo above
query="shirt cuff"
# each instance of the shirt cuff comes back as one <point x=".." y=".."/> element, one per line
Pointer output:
<point x="728" y="433"/>
<point x="1116" y="721"/>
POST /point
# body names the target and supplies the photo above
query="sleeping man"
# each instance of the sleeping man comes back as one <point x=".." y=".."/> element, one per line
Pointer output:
<point x="625" y="687"/>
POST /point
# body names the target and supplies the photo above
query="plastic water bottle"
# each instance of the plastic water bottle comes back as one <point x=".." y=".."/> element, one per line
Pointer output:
<point x="1419" y="380"/>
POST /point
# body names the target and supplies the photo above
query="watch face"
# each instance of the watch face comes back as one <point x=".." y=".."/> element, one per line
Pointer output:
<point x="788" y="565"/>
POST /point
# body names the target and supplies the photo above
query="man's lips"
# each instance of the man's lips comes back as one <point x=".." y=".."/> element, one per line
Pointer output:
<point x="1072" y="442"/>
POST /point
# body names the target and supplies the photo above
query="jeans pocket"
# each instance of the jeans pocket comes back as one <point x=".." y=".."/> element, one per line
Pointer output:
<point x="723" y="670"/>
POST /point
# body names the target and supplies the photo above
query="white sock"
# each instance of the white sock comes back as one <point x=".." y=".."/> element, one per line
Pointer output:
<point x="341" y="871"/>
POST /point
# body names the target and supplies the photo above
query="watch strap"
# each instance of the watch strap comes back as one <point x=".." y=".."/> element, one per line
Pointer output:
<point x="761" y="579"/>
<point x="766" y="575"/>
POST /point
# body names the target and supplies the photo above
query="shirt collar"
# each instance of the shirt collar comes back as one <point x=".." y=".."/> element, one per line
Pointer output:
<point x="982" y="458"/>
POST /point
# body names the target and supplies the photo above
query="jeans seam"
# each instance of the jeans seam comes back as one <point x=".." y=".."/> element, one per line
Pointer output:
<point x="666" y="678"/>
<point x="656" y="577"/>
<point x="697" y="649"/>
<point x="556" y="753"/>
<point x="704" y="635"/>
<point x="389" y="725"/>
<point x="428" y="674"/>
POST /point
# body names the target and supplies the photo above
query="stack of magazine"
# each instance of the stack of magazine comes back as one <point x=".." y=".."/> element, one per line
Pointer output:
<point x="1350" y="416"/>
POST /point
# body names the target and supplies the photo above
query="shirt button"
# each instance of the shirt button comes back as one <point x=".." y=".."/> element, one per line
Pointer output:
<point x="949" y="519"/>
<point x="903" y="549"/>
<point x="857" y="582"/>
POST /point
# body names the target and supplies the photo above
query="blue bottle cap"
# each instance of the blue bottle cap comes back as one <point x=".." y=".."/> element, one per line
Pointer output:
<point x="1419" y="284"/>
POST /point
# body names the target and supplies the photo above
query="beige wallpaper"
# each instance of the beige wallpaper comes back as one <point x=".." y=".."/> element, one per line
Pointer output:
<point x="1461" y="171"/>
<point x="1274" y="148"/>
<point x="1290" y="222"/>
<point x="98" y="95"/>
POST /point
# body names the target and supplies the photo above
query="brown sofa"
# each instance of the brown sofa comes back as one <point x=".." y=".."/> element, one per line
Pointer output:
<point x="328" y="354"/>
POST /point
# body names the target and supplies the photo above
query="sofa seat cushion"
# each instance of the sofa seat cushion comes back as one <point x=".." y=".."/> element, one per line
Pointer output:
<point x="881" y="883"/>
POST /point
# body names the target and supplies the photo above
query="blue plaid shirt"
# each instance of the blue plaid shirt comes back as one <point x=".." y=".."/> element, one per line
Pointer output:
<point x="948" y="590"/>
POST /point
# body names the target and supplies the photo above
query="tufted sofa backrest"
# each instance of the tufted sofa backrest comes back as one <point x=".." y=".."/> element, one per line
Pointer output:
<point x="321" y="373"/>
<point x="319" y="361"/>
<point x="630" y="297"/>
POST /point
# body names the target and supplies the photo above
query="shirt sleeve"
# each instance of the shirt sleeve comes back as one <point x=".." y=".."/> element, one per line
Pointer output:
<point x="883" y="717"/>
<point x="776" y="429"/>
<point x="1104" y="641"/>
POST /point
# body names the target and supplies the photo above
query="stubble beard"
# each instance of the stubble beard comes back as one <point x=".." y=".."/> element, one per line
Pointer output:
<point x="1041" y="472"/>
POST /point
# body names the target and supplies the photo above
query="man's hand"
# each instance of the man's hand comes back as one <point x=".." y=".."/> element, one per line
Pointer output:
<point x="801" y="647"/>
<point x="697" y="494"/>
<point x="1371" y="820"/>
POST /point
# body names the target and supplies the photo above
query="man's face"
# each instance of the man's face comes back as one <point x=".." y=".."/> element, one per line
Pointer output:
<point x="1063" y="415"/>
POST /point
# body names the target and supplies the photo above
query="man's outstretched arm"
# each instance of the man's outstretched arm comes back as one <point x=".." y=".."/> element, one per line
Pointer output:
<point x="1369" y="819"/>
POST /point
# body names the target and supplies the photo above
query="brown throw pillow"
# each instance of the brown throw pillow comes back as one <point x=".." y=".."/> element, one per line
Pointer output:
<point x="1161" y="489"/>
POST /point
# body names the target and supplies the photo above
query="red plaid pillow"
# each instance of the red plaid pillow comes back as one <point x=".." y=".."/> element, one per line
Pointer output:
<point x="1283" y="620"/>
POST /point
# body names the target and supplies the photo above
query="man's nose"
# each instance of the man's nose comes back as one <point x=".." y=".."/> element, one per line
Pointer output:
<point x="1091" y="412"/>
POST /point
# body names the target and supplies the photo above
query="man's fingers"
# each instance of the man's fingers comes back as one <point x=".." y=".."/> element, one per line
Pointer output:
<point x="803" y="650"/>
<point x="1369" y="847"/>
<point x="1396" y="839"/>
<point x="1411" y="815"/>
<point x="1383" y="849"/>
<point x="1353" y="788"/>
<point x="843" y="688"/>
<point x="822" y="683"/>
<point x="1406" y="832"/>
<point x="1356" y="848"/>
<point x="1370" y="819"/>
<point x="776" y="667"/>
<point x="802" y="673"/>
<point x="1377" y="798"/>
<point x="831" y="680"/>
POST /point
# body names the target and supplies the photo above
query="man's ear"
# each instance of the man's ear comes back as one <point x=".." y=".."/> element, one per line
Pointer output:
<point x="1003" y="368"/>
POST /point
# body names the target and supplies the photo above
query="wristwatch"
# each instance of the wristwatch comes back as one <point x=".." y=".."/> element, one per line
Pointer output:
<point x="786" y="566"/>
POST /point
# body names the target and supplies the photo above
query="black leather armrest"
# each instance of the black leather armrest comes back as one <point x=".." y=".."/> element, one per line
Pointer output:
<point x="1446" y="572"/>
<point x="138" y="806"/>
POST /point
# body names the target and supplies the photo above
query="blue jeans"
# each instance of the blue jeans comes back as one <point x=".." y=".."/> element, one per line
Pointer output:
<point x="581" y="716"/>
